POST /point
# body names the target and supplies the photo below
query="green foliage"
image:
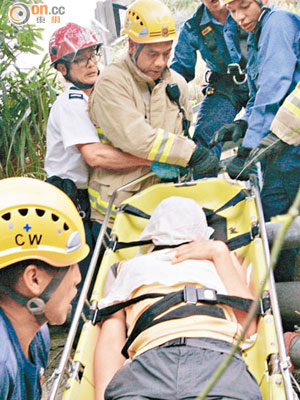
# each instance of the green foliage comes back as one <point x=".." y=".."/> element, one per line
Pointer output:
<point x="25" y="100"/>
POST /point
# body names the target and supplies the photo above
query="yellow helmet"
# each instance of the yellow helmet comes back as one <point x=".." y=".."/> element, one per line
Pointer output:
<point x="149" y="21"/>
<point x="39" y="221"/>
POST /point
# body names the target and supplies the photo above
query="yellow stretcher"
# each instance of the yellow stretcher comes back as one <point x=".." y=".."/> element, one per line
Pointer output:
<point x="238" y="217"/>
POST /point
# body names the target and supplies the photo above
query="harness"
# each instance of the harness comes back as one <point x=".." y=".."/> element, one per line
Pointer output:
<point x="233" y="75"/>
<point x="190" y="295"/>
<point x="234" y="71"/>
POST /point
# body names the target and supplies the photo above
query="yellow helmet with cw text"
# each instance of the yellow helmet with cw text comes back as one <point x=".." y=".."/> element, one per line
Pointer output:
<point x="39" y="221"/>
<point x="149" y="21"/>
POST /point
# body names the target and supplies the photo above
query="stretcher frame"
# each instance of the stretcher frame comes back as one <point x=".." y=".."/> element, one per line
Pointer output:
<point x="274" y="377"/>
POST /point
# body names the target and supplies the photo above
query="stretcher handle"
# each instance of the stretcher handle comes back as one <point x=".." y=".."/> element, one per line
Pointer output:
<point x="59" y="371"/>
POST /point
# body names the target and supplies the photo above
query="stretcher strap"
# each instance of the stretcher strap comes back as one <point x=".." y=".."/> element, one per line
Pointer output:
<point x="102" y="313"/>
<point x="240" y="196"/>
<point x="242" y="240"/>
<point x="129" y="209"/>
<point x="233" y="243"/>
<point x="114" y="245"/>
<point x="190" y="295"/>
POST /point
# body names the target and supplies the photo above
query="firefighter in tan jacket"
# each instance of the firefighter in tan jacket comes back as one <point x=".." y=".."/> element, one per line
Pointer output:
<point x="132" y="110"/>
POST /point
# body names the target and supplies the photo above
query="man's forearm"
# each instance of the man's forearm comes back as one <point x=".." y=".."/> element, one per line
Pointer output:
<point x="108" y="358"/>
<point x="100" y="155"/>
<point x="234" y="282"/>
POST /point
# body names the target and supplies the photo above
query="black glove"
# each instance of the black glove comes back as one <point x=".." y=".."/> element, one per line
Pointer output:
<point x="270" y="144"/>
<point x="235" y="167"/>
<point x="233" y="131"/>
<point x="203" y="161"/>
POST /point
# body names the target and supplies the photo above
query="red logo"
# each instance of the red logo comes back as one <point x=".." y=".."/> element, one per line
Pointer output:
<point x="165" y="31"/>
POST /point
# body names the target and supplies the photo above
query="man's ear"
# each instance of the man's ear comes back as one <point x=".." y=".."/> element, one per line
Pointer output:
<point x="35" y="279"/>
<point x="62" y="68"/>
<point x="131" y="47"/>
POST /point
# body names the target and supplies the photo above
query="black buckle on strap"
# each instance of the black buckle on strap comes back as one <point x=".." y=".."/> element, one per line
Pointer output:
<point x="192" y="295"/>
<point x="207" y="295"/>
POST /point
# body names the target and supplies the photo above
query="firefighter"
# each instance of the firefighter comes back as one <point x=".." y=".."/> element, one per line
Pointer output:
<point x="42" y="241"/>
<point x="142" y="107"/>
<point x="180" y="342"/>
<point x="273" y="73"/>
<point x="222" y="45"/>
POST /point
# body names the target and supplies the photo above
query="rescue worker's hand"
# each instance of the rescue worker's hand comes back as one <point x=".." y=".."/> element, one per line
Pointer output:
<point x="235" y="167"/>
<point x="233" y="131"/>
<point x="203" y="161"/>
<point x="164" y="170"/>
<point x="270" y="144"/>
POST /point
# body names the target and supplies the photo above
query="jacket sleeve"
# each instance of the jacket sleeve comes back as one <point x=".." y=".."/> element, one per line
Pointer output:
<point x="286" y="124"/>
<point x="5" y="382"/>
<point x="185" y="55"/>
<point x="276" y="61"/>
<point x="112" y="108"/>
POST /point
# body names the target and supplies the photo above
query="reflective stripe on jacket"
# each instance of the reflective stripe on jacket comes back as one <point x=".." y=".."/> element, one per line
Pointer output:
<point x="286" y="124"/>
<point x="136" y="116"/>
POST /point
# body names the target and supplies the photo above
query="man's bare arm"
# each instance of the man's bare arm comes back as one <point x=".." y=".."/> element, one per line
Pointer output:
<point x="108" y="358"/>
<point x="105" y="156"/>
<point x="233" y="280"/>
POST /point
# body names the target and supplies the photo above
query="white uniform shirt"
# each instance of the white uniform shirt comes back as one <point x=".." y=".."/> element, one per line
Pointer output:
<point x="68" y="125"/>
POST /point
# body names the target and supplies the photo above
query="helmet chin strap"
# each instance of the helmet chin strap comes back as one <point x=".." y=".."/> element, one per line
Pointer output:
<point x="81" y="85"/>
<point x="134" y="58"/>
<point x="36" y="305"/>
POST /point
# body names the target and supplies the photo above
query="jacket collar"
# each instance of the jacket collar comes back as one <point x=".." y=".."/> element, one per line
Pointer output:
<point x="139" y="76"/>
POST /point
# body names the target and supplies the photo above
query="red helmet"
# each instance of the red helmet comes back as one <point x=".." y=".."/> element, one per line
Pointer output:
<point x="69" y="40"/>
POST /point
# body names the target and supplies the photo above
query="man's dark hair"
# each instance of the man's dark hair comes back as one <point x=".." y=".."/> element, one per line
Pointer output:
<point x="10" y="275"/>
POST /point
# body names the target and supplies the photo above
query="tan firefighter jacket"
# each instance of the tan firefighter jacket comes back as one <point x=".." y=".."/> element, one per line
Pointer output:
<point x="135" y="115"/>
<point x="286" y="124"/>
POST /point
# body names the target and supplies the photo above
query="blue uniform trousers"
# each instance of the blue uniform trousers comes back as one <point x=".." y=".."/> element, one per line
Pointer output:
<point x="281" y="184"/>
<point x="216" y="110"/>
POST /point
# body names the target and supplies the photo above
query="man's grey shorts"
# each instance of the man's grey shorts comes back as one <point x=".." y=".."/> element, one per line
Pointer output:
<point x="178" y="370"/>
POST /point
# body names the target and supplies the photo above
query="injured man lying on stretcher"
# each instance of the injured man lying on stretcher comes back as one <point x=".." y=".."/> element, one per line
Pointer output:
<point x="174" y="340"/>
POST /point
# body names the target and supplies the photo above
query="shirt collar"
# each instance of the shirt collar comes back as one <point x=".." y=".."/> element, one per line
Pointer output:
<point x="207" y="17"/>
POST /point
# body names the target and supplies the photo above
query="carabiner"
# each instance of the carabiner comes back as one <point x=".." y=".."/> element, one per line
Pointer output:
<point x="237" y="66"/>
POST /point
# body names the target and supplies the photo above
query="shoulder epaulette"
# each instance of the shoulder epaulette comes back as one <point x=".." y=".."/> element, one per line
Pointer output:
<point x="75" y="96"/>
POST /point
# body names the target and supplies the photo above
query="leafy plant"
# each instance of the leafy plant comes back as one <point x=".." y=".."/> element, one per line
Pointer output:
<point x="25" y="100"/>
